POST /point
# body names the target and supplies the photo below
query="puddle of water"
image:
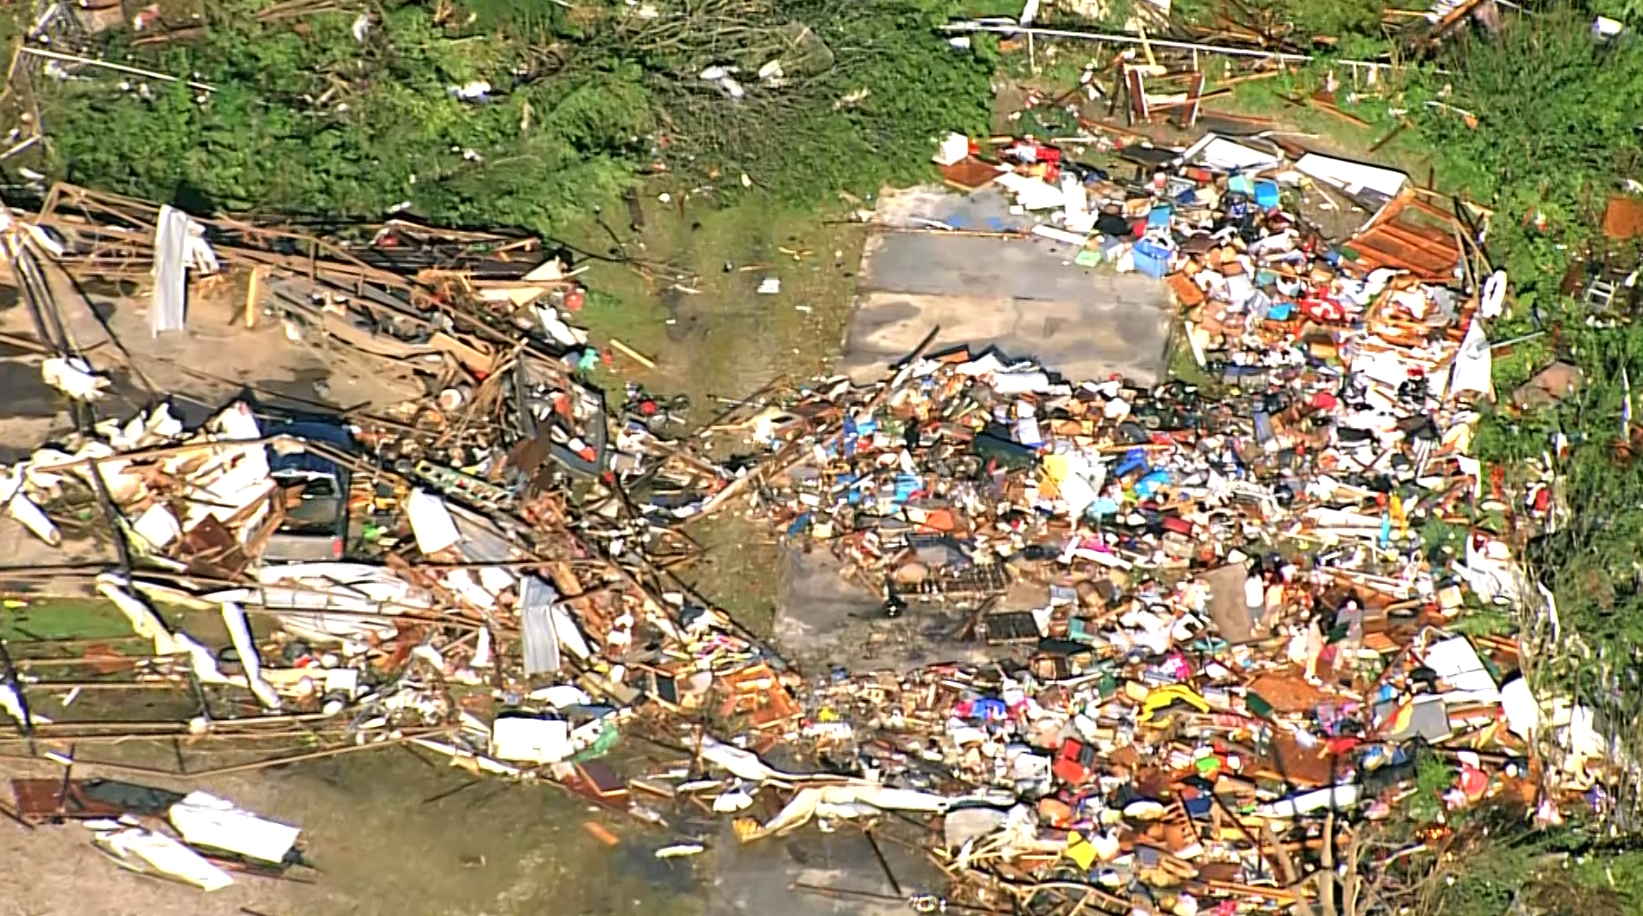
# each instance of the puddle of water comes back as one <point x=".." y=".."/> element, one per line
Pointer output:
<point x="380" y="841"/>
<point x="23" y="394"/>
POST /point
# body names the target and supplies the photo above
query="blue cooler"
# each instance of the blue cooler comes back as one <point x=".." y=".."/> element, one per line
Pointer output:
<point x="1151" y="259"/>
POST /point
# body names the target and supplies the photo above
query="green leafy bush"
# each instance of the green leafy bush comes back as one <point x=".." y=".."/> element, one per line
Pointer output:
<point x="320" y="124"/>
<point x="1557" y="116"/>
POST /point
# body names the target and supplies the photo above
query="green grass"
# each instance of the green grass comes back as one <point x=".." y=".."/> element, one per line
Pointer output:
<point x="740" y="569"/>
<point x="35" y="619"/>
<point x="687" y="296"/>
<point x="1270" y="98"/>
<point x="982" y="9"/>
<point x="1182" y="364"/>
<point x="35" y="622"/>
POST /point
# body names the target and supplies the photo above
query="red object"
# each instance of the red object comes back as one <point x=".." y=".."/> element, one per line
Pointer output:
<point x="1474" y="782"/>
<point x="1028" y="151"/>
<point x="575" y="298"/>
<point x="1323" y="400"/>
<point x="1072" y="765"/>
<point x="1338" y="747"/>
<point x="647" y="407"/>
<point x="1323" y="310"/>
<point x="1543" y="500"/>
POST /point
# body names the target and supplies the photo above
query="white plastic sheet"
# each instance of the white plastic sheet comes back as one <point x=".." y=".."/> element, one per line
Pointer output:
<point x="1473" y="363"/>
<point x="203" y="819"/>
<point x="848" y="801"/>
<point x="529" y="740"/>
<point x="1459" y="665"/>
<point x="1521" y="707"/>
<point x="145" y="850"/>
<point x="431" y="522"/>
<point x="1337" y="797"/>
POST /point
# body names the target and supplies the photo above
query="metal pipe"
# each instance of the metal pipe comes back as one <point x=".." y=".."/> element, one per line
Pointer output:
<point x="973" y="26"/>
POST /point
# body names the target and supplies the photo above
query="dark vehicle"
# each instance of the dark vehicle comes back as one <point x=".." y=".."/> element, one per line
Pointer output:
<point x="314" y="490"/>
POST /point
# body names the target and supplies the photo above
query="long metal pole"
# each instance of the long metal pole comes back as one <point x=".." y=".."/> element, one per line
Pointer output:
<point x="1030" y="31"/>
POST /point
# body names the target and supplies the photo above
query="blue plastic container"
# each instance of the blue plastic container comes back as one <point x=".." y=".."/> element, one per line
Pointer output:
<point x="1151" y="259"/>
<point x="1266" y="195"/>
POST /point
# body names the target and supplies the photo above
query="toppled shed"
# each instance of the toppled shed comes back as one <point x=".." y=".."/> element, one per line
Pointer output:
<point x="1410" y="234"/>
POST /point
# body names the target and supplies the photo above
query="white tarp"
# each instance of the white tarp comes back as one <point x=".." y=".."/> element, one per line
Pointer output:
<point x="1521" y="708"/>
<point x="1337" y="797"/>
<point x="215" y="823"/>
<point x="431" y="522"/>
<point x="848" y="801"/>
<point x="1457" y="663"/>
<point x="530" y="740"/>
<point x="743" y="764"/>
<point x="1473" y="363"/>
<point x="1031" y="193"/>
<point x="165" y="311"/>
<point x="1352" y="177"/>
<point x="146" y="851"/>
<point x="179" y="245"/>
<point x="1221" y="154"/>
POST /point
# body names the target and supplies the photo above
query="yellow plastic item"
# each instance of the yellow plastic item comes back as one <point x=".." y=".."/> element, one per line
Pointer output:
<point x="1080" y="850"/>
<point x="746" y="829"/>
<point x="1167" y="696"/>
<point x="1057" y="467"/>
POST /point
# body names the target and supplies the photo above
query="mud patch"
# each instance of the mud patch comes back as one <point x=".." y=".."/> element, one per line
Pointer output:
<point x="682" y="323"/>
<point x="308" y="390"/>
<point x="24" y="394"/>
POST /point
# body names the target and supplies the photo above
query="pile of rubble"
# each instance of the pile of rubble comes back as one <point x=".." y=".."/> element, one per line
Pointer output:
<point x="1242" y="628"/>
<point x="1239" y="648"/>
<point x="1249" y="589"/>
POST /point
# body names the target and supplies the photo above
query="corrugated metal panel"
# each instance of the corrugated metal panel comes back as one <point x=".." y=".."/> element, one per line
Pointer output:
<point x="541" y="645"/>
<point x="481" y="541"/>
<point x="165" y="313"/>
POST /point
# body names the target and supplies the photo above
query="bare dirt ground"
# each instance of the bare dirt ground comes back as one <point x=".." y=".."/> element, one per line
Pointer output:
<point x="382" y="849"/>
